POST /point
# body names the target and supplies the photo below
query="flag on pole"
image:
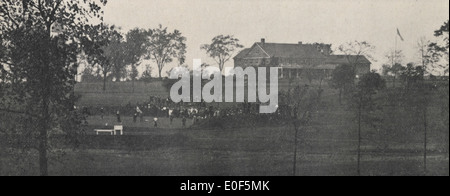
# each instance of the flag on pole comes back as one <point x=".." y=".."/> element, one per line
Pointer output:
<point x="400" y="35"/>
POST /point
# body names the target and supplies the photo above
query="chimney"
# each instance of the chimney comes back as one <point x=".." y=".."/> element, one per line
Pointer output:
<point x="263" y="41"/>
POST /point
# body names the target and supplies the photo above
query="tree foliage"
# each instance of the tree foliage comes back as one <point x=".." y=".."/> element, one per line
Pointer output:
<point x="343" y="77"/>
<point x="147" y="74"/>
<point x="164" y="46"/>
<point x="135" y="46"/>
<point x="412" y="75"/>
<point x="371" y="83"/>
<point x="302" y="103"/>
<point x="426" y="57"/>
<point x="90" y="75"/>
<point x="393" y="70"/>
<point x="135" y="49"/>
<point x="365" y="107"/>
<point x="40" y="65"/>
<point x="440" y="50"/>
<point x="104" y="49"/>
<point x="222" y="49"/>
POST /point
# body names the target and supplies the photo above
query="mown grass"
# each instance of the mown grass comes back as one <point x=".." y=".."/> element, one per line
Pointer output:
<point x="262" y="151"/>
<point x="328" y="146"/>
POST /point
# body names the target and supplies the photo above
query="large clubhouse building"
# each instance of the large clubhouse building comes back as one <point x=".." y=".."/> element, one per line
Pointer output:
<point x="295" y="59"/>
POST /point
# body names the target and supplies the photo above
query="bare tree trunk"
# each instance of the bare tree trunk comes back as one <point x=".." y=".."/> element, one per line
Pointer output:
<point x="221" y="66"/>
<point x="44" y="123"/>
<point x="45" y="119"/>
<point x="425" y="141"/>
<point x="395" y="78"/>
<point x="294" y="169"/>
<point x="359" y="138"/>
<point x="104" y="82"/>
<point x="43" y="141"/>
<point x="320" y="84"/>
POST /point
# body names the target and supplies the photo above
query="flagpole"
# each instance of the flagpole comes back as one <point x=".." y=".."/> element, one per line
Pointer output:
<point x="395" y="50"/>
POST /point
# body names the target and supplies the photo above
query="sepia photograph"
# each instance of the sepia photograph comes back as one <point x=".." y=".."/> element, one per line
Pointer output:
<point x="224" y="88"/>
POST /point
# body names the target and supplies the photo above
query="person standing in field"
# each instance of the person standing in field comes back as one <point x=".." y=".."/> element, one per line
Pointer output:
<point x="155" y="122"/>
<point x="102" y="112"/>
<point x="184" y="122"/>
<point x="118" y="116"/>
<point x="194" y="119"/>
<point x="140" y="114"/>
<point x="171" y="116"/>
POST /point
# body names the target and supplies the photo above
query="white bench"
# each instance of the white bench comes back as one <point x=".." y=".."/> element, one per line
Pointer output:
<point x="117" y="129"/>
<point x="104" y="131"/>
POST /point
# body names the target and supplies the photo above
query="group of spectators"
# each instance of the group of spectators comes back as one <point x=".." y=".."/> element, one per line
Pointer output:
<point x="159" y="107"/>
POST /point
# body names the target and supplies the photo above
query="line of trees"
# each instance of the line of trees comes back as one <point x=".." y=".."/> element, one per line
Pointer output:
<point x="114" y="56"/>
<point x="432" y="56"/>
<point x="117" y="56"/>
<point x="371" y="103"/>
<point x="43" y="43"/>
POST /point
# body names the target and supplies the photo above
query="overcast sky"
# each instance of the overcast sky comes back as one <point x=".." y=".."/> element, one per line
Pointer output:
<point x="287" y="21"/>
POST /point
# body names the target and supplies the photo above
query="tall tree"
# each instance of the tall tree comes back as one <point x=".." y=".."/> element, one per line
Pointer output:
<point x="222" y="49"/>
<point x="417" y="100"/>
<point x="301" y="103"/>
<point x="164" y="46"/>
<point x="367" y="87"/>
<point x="135" y="50"/>
<point x="440" y="50"/>
<point x="44" y="61"/>
<point x="343" y="77"/>
<point x="425" y="54"/>
<point x="133" y="74"/>
<point x="104" y="49"/>
<point x="117" y="55"/>
<point x="393" y="65"/>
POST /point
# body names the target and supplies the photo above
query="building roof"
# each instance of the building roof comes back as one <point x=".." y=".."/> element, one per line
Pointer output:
<point x="243" y="53"/>
<point x="320" y="66"/>
<point x="342" y="59"/>
<point x="300" y="51"/>
<point x="291" y="50"/>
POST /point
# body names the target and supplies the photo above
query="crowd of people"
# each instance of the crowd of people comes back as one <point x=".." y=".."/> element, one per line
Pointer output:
<point x="159" y="107"/>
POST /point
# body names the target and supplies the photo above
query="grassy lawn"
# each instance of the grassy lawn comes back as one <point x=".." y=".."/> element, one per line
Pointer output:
<point x="328" y="146"/>
<point x="267" y="151"/>
<point x="325" y="149"/>
<point x="131" y="127"/>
